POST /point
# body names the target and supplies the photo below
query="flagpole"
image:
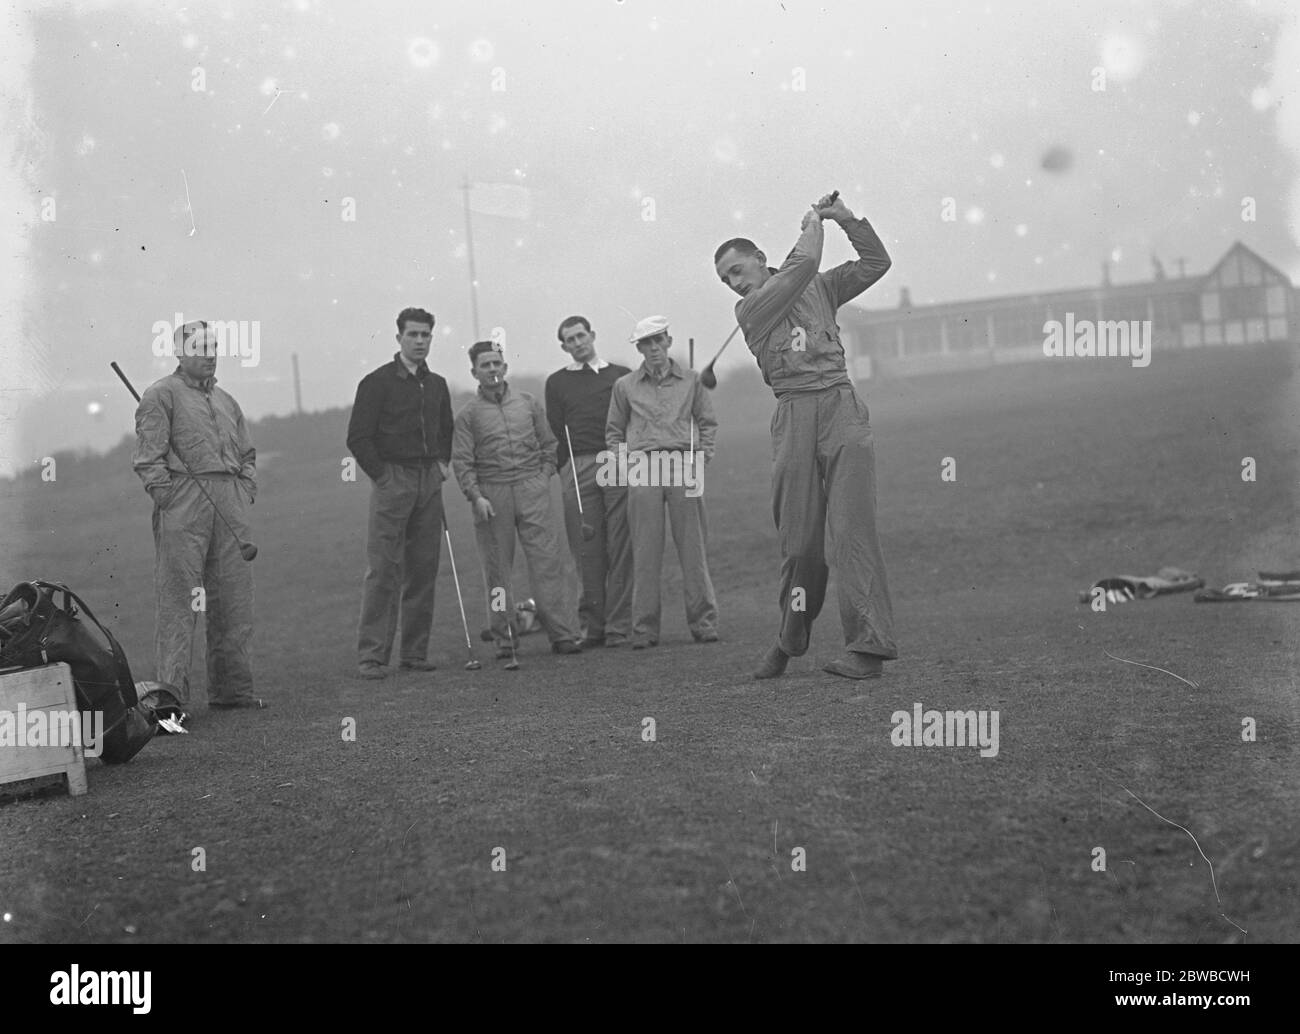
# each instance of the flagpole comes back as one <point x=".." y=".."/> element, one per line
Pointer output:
<point x="469" y="251"/>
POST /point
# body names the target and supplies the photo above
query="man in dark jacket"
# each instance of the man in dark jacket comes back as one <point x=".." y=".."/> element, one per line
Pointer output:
<point x="400" y="433"/>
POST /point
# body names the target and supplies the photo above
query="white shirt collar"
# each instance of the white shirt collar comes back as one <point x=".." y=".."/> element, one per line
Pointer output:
<point x="596" y="367"/>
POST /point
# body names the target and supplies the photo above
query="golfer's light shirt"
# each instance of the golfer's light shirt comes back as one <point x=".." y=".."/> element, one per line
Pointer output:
<point x="789" y="322"/>
<point x="669" y="415"/>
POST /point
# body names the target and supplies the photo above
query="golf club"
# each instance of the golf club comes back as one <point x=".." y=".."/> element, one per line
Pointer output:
<point x="472" y="664"/>
<point x="588" y="532"/>
<point x="246" y="549"/>
<point x="707" y="377"/>
<point x="513" y="664"/>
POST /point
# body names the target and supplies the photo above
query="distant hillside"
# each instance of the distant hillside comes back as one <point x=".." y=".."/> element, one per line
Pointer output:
<point x="323" y="434"/>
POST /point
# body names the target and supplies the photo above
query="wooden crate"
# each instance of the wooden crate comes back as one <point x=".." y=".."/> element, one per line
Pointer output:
<point x="48" y="688"/>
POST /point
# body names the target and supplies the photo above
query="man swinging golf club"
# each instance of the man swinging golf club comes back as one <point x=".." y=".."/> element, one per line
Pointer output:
<point x="198" y="464"/>
<point x="824" y="478"/>
<point x="577" y="403"/>
<point x="504" y="455"/>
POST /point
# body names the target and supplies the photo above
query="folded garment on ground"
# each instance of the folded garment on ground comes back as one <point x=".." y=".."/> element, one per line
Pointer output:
<point x="1267" y="592"/>
<point x="1124" y="587"/>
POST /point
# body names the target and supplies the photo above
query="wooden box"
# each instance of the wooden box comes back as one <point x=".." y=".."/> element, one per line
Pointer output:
<point x="49" y="690"/>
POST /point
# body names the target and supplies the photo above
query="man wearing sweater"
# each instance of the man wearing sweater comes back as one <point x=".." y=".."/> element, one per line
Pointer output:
<point x="577" y="404"/>
<point x="400" y="434"/>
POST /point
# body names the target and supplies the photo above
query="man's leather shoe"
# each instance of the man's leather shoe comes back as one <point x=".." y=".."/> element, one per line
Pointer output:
<point x="852" y="665"/>
<point x="419" y="666"/>
<point x="566" y="646"/>
<point x="773" y="664"/>
<point x="372" y="671"/>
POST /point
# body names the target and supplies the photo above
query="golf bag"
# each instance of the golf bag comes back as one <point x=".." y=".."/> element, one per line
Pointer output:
<point x="35" y="631"/>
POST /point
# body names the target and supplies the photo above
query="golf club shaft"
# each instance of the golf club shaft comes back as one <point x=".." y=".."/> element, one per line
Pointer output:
<point x="724" y="347"/>
<point x="573" y="466"/>
<point x="197" y="480"/>
<point x="451" y="556"/>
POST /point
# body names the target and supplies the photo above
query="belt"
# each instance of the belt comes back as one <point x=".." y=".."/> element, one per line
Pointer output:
<point x="420" y="464"/>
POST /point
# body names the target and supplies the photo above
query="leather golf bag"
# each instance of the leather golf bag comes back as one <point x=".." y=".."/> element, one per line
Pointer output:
<point x="35" y="631"/>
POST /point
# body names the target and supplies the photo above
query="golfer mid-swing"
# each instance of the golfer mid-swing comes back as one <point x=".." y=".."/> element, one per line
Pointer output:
<point x="824" y="478"/>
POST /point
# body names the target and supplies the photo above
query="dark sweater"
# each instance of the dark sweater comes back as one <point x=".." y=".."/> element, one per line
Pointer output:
<point x="398" y="418"/>
<point x="580" y="399"/>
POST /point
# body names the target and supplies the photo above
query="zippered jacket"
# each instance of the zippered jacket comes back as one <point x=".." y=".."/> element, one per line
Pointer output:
<point x="400" y="418"/>
<point x="180" y="418"/>
<point x="789" y="322"/>
<point x="501" y="442"/>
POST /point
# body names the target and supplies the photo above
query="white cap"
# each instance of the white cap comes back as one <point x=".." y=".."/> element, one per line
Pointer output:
<point x="649" y="327"/>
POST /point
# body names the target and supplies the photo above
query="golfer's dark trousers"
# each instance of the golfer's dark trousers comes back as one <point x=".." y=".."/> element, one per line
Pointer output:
<point x="604" y="561"/>
<point x="403" y="548"/>
<point x="824" y="503"/>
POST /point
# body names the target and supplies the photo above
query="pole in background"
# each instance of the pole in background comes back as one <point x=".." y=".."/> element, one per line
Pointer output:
<point x="297" y="386"/>
<point x="469" y="252"/>
<point x="691" y="361"/>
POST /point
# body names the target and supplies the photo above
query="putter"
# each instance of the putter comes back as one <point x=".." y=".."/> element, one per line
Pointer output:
<point x="246" y="549"/>
<point x="472" y="664"/>
<point x="707" y="377"/>
<point x="588" y="532"/>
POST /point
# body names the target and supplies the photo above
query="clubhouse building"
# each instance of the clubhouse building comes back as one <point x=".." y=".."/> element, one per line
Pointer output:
<point x="1243" y="300"/>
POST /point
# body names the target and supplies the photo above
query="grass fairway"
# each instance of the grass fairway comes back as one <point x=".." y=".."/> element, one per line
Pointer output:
<point x="1066" y="471"/>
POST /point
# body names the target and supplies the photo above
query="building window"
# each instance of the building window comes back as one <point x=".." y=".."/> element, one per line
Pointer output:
<point x="1191" y="335"/>
<point x="1275" y="299"/>
<point x="1234" y="333"/>
<point x="1230" y="273"/>
<point x="1210" y="306"/>
<point x="1277" y="329"/>
<point x="1254" y="330"/>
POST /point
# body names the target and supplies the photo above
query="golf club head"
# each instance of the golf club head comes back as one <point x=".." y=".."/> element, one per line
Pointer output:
<point x="588" y="532"/>
<point x="248" y="551"/>
<point x="708" y="378"/>
<point x="512" y="664"/>
<point x="472" y="665"/>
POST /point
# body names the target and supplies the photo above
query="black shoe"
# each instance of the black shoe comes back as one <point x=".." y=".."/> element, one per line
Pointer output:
<point x="707" y="637"/>
<point x="644" y="643"/>
<point x="566" y="646"/>
<point x="591" y="642"/>
<point x="418" y="666"/>
<point x="504" y="653"/>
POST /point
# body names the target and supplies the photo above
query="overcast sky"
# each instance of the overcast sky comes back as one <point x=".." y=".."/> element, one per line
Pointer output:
<point x="641" y="134"/>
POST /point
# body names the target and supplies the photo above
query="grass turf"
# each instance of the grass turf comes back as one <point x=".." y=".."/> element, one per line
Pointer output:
<point x="1066" y="471"/>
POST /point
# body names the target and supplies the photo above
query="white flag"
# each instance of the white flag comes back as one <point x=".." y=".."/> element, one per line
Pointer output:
<point x="503" y="199"/>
